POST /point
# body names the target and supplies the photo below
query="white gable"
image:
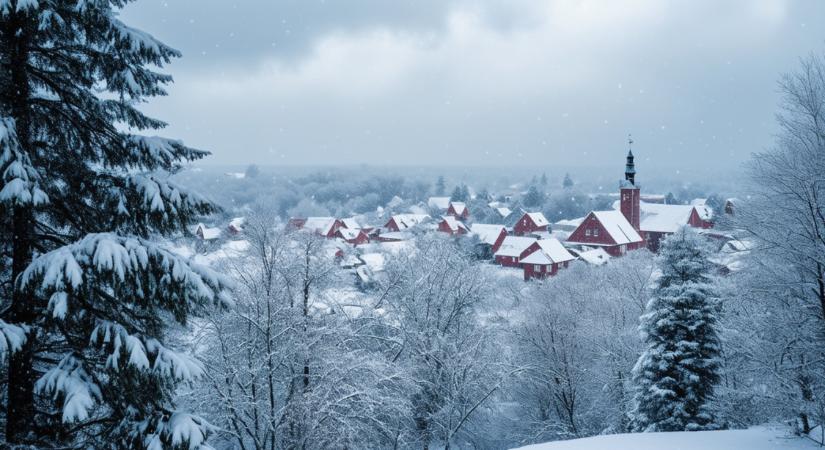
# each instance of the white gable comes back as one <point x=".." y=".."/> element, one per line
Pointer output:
<point x="349" y="233"/>
<point x="617" y="226"/>
<point x="453" y="224"/>
<point x="237" y="222"/>
<point x="555" y="250"/>
<point x="351" y="223"/>
<point x="514" y="245"/>
<point x="538" y="218"/>
<point x="208" y="233"/>
<point x="405" y="221"/>
<point x="321" y="225"/>
<point x="487" y="233"/>
<point x="458" y="207"/>
<point x="551" y="251"/>
<point x="537" y="257"/>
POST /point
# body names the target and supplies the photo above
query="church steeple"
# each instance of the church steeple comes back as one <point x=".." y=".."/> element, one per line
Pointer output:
<point x="630" y="195"/>
<point x="630" y="167"/>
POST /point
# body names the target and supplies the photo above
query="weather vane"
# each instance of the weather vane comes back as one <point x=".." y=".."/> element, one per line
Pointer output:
<point x="629" y="142"/>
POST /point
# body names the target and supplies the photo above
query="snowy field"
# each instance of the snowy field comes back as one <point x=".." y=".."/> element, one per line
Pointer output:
<point x="757" y="438"/>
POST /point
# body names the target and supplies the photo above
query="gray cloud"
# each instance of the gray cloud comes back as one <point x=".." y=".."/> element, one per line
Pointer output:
<point x="461" y="82"/>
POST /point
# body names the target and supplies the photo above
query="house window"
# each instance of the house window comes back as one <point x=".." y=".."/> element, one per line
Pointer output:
<point x="623" y="249"/>
<point x="595" y="232"/>
<point x="587" y="232"/>
<point x="536" y="268"/>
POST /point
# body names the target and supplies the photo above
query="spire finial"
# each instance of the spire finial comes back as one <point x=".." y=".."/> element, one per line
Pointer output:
<point x="630" y="168"/>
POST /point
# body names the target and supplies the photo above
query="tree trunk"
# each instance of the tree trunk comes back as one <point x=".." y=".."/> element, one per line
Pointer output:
<point x="16" y="32"/>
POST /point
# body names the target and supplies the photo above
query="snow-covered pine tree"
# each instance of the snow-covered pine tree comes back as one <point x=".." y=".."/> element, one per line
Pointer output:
<point x="676" y="373"/>
<point x="88" y="293"/>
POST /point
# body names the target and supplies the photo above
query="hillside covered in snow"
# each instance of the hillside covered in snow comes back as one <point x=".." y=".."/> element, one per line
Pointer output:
<point x="756" y="438"/>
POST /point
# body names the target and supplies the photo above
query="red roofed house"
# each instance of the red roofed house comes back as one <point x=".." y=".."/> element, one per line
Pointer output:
<point x="401" y="222"/>
<point x="352" y="236"/>
<point x="609" y="230"/>
<point x="511" y="250"/>
<point x="452" y="226"/>
<point x="615" y="231"/>
<point x="544" y="258"/>
<point x="236" y="225"/>
<point x="458" y="210"/>
<point x="489" y="235"/>
<point x="530" y="223"/>
<point x="661" y="220"/>
<point x="323" y="226"/>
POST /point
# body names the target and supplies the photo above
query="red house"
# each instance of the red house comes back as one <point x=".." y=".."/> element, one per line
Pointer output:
<point x="451" y="226"/>
<point x="609" y="230"/>
<point x="530" y="223"/>
<point x="661" y="220"/>
<point x="489" y="234"/>
<point x="458" y="210"/>
<point x="352" y="236"/>
<point x="511" y="250"/>
<point x="544" y="258"/>
<point x="401" y="222"/>
<point x="236" y="225"/>
<point x="323" y="226"/>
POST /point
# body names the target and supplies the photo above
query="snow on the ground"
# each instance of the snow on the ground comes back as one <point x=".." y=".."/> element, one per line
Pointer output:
<point x="756" y="438"/>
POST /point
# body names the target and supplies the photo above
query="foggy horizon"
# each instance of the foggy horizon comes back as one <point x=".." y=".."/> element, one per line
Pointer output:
<point x="489" y="84"/>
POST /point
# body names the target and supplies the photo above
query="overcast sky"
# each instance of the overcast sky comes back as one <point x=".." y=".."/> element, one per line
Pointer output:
<point x="500" y="82"/>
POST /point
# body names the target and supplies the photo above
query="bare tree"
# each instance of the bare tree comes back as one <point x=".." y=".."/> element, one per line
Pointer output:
<point x="289" y="367"/>
<point x="786" y="220"/>
<point x="434" y="295"/>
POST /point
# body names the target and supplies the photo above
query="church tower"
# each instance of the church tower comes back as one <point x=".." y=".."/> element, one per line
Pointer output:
<point x="629" y="192"/>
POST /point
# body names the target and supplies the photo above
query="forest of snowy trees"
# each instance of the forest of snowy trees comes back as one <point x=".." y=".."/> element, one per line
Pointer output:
<point x="111" y="339"/>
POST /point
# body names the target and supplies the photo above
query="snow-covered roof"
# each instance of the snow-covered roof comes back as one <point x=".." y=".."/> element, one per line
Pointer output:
<point x="351" y="223"/>
<point x="503" y="211"/>
<point x="395" y="235"/>
<point x="595" y="257"/>
<point x="439" y="202"/>
<point x="405" y="221"/>
<point x="617" y="226"/>
<point x="458" y="207"/>
<point x="453" y="224"/>
<point x="538" y="218"/>
<point x="664" y="218"/>
<point x="571" y="224"/>
<point x="237" y="222"/>
<point x="514" y="245"/>
<point x="551" y="251"/>
<point x="487" y="233"/>
<point x="705" y="212"/>
<point x="321" y="225"/>
<point x="208" y="233"/>
<point x="349" y="233"/>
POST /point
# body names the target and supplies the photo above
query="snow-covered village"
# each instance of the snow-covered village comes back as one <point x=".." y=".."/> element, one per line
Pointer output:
<point x="544" y="224"/>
